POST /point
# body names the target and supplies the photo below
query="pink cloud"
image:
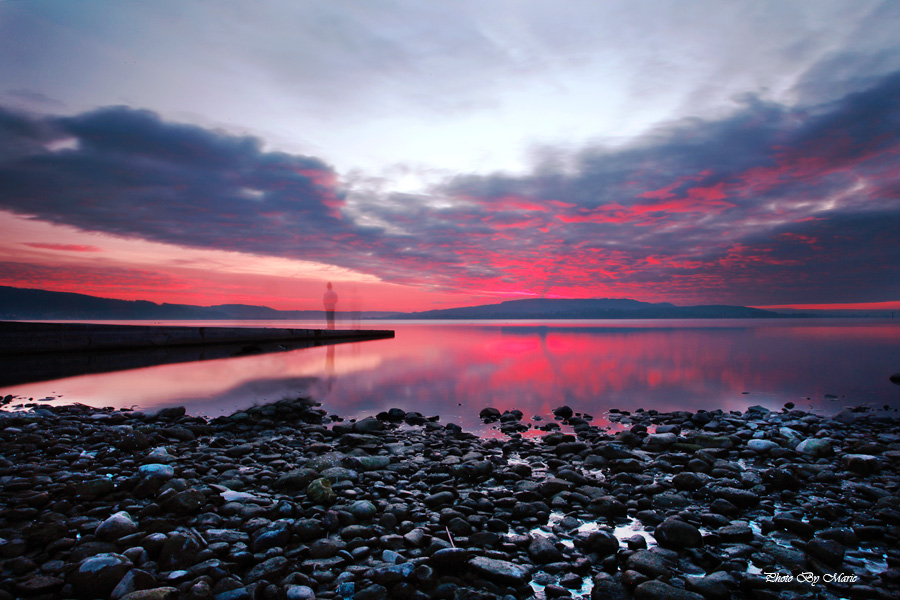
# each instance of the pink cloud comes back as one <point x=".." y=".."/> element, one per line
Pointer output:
<point x="64" y="247"/>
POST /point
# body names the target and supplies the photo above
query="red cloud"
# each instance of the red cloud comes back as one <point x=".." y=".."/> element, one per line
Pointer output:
<point x="64" y="247"/>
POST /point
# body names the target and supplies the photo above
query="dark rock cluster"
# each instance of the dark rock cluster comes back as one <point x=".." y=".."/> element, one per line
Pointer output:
<point x="282" y="502"/>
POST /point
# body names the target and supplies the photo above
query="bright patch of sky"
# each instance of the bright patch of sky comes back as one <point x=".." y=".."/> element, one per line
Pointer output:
<point x="459" y="86"/>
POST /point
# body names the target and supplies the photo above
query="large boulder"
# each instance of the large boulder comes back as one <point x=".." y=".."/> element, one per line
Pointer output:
<point x="97" y="576"/>
<point x="815" y="447"/>
<point x="676" y="534"/>
<point x="116" y="526"/>
<point x="500" y="571"/>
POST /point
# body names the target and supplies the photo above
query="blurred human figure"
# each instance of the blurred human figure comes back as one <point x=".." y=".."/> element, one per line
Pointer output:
<point x="330" y="301"/>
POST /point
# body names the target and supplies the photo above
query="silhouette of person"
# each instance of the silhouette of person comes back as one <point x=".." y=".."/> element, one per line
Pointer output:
<point x="330" y="301"/>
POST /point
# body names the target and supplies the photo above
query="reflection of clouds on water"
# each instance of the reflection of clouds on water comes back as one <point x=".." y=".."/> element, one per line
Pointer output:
<point x="455" y="370"/>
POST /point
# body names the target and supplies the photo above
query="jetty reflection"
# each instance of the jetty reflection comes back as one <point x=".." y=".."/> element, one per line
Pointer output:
<point x="32" y="352"/>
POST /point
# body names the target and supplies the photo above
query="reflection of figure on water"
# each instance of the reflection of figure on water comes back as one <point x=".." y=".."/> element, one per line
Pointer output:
<point x="354" y="308"/>
<point x="329" y="367"/>
<point x="330" y="301"/>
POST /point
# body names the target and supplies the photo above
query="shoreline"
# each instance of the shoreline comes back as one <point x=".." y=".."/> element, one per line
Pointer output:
<point x="271" y="503"/>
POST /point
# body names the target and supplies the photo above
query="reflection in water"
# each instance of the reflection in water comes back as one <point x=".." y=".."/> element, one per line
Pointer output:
<point x="329" y="368"/>
<point x="456" y="369"/>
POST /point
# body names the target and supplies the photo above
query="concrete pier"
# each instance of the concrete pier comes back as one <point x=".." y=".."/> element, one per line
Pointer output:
<point x="26" y="338"/>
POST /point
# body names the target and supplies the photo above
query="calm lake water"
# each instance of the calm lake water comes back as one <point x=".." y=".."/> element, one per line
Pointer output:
<point x="454" y="369"/>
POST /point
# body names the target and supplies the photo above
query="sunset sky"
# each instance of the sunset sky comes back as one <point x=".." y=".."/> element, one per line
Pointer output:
<point x="433" y="154"/>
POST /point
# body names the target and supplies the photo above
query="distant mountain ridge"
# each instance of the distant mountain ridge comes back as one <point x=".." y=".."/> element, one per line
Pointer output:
<point x="31" y="304"/>
<point x="597" y="308"/>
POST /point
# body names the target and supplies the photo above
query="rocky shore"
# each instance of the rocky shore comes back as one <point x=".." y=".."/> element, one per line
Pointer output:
<point x="286" y="502"/>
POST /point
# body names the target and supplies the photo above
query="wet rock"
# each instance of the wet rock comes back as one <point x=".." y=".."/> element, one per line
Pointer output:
<point x="564" y="448"/>
<point x="39" y="584"/>
<point x="180" y="549"/>
<point x="299" y="592"/>
<point x="238" y="593"/>
<point x="648" y="563"/>
<point x="439" y="499"/>
<point x="815" y="447"/>
<point x="240" y="450"/>
<point x="762" y="446"/>
<point x="309" y="529"/>
<point x="98" y="575"/>
<point x="734" y="534"/>
<point x="801" y="528"/>
<point x="676" y="534"/>
<point x="171" y="412"/>
<point x="368" y="425"/>
<point x="179" y="433"/>
<point x="116" y="526"/>
<point x="563" y="412"/>
<point x="159" y="471"/>
<point x="275" y="535"/>
<point x="362" y="510"/>
<point x="320" y="492"/>
<point x="608" y="506"/>
<point x="134" y="580"/>
<point x="716" y="586"/>
<point x="336" y="474"/>
<point x="295" y="480"/>
<point x="160" y="593"/>
<point x="657" y="590"/>
<point x="790" y="558"/>
<point x="738" y="497"/>
<point x="449" y="559"/>
<point x="489" y="415"/>
<point x="392" y="574"/>
<point x="667" y="501"/>
<point x="607" y="588"/>
<point x="553" y="486"/>
<point x="600" y="542"/>
<point x="370" y="463"/>
<point x="829" y="552"/>
<point x="659" y="441"/>
<point x="186" y="502"/>
<point x="94" y="488"/>
<point x="372" y="592"/>
<point x="689" y="481"/>
<point x="501" y="571"/>
<point x="270" y="569"/>
<point x="132" y="441"/>
<point x="543" y="551"/>
<point x="861" y="464"/>
<point x="159" y="456"/>
<point x="843" y="535"/>
<point x="782" y="479"/>
<point x="558" y="437"/>
<point x="326" y="461"/>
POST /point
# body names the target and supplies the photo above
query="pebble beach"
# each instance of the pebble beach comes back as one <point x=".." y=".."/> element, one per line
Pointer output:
<point x="287" y="502"/>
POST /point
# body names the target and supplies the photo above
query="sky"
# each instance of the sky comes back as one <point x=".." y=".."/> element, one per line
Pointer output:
<point x="426" y="155"/>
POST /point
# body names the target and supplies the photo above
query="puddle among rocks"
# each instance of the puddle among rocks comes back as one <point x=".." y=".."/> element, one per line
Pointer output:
<point x="630" y="529"/>
<point x="622" y="533"/>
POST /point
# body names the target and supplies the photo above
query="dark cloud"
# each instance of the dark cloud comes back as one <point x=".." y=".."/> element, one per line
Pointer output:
<point x="770" y="204"/>
<point x="127" y="172"/>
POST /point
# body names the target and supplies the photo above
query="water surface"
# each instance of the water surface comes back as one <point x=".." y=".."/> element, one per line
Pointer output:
<point x="454" y="369"/>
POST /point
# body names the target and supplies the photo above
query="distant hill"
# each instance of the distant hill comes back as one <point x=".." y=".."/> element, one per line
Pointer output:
<point x="598" y="308"/>
<point x="29" y="304"/>
<point x="24" y="304"/>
